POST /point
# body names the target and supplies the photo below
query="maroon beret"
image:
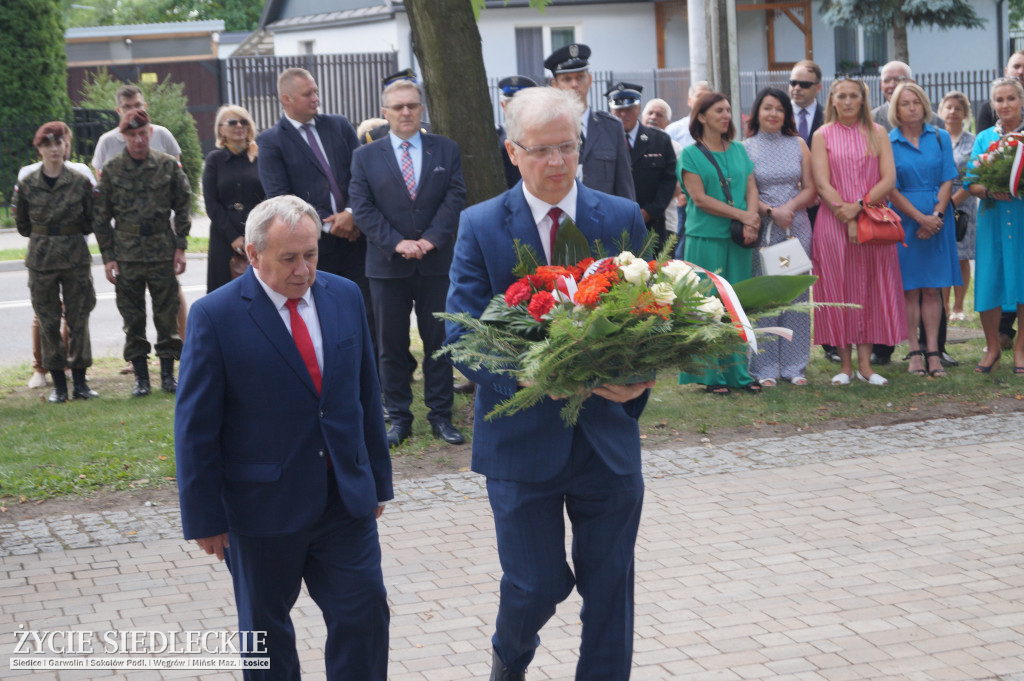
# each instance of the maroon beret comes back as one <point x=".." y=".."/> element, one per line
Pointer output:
<point x="136" y="118"/>
<point x="52" y="131"/>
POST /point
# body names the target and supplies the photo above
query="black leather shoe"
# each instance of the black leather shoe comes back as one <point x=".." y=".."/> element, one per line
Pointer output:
<point x="60" y="387"/>
<point x="398" y="434"/>
<point x="464" y="388"/>
<point x="500" y="673"/>
<point x="141" y="388"/>
<point x="167" y="382"/>
<point x="833" y="356"/>
<point x="447" y="432"/>
<point x="946" y="360"/>
<point x="81" y="389"/>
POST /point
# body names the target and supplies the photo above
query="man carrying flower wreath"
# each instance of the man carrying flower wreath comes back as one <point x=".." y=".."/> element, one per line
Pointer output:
<point x="537" y="467"/>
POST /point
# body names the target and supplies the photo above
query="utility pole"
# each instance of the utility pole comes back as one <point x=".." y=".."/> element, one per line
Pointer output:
<point x="713" y="55"/>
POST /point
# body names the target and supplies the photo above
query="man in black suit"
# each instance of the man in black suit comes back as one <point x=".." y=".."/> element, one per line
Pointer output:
<point x="604" y="159"/>
<point x="652" y="158"/>
<point x="309" y="154"/>
<point x="407" y="193"/>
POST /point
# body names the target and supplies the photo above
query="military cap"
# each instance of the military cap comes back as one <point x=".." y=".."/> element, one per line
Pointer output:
<point x="51" y="132"/>
<point x="404" y="74"/>
<point x="136" y="118"/>
<point x="568" y="59"/>
<point x="624" y="95"/>
<point x="513" y="84"/>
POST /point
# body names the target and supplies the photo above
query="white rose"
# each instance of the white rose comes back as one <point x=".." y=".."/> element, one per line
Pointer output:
<point x="678" y="271"/>
<point x="712" y="307"/>
<point x="663" y="293"/>
<point x="636" y="272"/>
<point x="624" y="258"/>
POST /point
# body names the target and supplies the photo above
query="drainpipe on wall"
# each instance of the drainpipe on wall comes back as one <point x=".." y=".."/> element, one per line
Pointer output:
<point x="1000" y="38"/>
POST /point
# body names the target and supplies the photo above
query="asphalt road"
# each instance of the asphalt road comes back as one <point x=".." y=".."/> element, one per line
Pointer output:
<point x="104" y="322"/>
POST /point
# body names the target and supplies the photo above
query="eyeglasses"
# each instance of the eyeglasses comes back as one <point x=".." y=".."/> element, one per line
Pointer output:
<point x="232" y="122"/>
<point x="547" y="151"/>
<point x="399" y="108"/>
<point x="894" y="79"/>
<point x="805" y="84"/>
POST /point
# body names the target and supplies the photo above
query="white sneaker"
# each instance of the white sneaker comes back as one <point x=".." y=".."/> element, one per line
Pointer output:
<point x="38" y="380"/>
<point x="876" y="379"/>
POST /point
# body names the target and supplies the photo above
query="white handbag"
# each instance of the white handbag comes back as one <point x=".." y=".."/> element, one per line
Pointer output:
<point x="785" y="257"/>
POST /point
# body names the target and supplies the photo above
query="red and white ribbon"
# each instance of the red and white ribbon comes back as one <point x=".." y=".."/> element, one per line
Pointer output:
<point x="1018" y="162"/>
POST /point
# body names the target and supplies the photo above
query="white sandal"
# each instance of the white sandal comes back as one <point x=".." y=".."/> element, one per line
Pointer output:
<point x="800" y="380"/>
<point x="841" y="379"/>
<point x="767" y="382"/>
<point x="876" y="379"/>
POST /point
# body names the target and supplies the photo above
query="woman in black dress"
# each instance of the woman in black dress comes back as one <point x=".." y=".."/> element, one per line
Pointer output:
<point x="231" y="188"/>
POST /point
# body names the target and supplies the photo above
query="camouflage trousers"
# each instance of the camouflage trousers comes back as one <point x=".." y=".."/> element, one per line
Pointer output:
<point x="74" y="285"/>
<point x="132" y="280"/>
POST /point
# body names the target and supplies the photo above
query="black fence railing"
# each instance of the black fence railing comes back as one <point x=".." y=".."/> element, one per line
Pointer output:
<point x="350" y="84"/>
<point x="16" y="148"/>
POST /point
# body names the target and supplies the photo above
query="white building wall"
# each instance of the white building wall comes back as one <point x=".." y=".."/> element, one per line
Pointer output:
<point x="622" y="37"/>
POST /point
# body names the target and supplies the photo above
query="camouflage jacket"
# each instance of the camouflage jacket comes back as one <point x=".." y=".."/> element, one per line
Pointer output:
<point x="140" y="198"/>
<point x="56" y="220"/>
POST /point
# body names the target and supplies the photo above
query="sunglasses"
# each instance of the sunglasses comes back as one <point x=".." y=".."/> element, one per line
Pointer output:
<point x="232" y="122"/>
<point x="805" y="84"/>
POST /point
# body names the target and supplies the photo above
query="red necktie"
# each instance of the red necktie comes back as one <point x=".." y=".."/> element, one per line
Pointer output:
<point x="554" y="214"/>
<point x="408" y="172"/>
<point x="303" y="341"/>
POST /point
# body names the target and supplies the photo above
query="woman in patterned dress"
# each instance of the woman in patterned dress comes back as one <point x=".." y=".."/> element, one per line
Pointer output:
<point x="785" y="187"/>
<point x="851" y="158"/>
<point x="955" y="111"/>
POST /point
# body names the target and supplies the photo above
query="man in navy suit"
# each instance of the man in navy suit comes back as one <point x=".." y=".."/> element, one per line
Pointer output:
<point x="283" y="465"/>
<point x="407" y="192"/>
<point x="604" y="159"/>
<point x="537" y="468"/>
<point x="309" y="155"/>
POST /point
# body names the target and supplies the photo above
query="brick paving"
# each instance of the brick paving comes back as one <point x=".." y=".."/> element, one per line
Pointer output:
<point x="890" y="553"/>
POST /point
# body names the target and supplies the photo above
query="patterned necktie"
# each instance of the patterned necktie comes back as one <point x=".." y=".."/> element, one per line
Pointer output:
<point x="407" y="171"/>
<point x="339" y="198"/>
<point x="555" y="213"/>
<point x="629" y="142"/>
<point x="304" y="342"/>
<point x="802" y="127"/>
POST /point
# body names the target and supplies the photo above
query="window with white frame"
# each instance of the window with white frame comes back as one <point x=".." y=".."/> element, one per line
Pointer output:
<point x="860" y="50"/>
<point x="535" y="43"/>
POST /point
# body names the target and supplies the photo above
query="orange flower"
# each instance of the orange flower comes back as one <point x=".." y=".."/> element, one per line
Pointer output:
<point x="547" y="274"/>
<point x="647" y="305"/>
<point x="593" y="287"/>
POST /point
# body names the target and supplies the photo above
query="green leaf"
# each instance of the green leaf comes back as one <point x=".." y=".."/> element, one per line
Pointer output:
<point x="759" y="293"/>
<point x="600" y="327"/>
<point x="570" y="244"/>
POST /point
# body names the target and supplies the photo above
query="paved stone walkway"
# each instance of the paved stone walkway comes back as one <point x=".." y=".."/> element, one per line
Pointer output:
<point x="890" y="553"/>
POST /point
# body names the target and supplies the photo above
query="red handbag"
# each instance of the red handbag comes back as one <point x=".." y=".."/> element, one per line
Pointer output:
<point x="878" y="225"/>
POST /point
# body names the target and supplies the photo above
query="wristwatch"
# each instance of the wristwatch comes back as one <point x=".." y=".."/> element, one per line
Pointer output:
<point x="768" y="213"/>
<point x="939" y="214"/>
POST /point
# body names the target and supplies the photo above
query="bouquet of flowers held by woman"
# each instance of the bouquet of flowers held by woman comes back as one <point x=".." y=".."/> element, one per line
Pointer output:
<point x="999" y="169"/>
<point x="565" y="329"/>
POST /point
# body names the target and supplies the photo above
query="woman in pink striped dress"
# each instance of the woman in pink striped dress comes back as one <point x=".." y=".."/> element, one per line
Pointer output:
<point x="851" y="158"/>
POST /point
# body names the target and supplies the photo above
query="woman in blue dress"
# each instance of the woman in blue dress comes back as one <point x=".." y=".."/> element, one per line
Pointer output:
<point x="999" y="249"/>
<point x="924" y="185"/>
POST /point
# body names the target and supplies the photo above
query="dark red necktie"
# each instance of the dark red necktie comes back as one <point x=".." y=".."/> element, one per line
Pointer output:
<point x="555" y="213"/>
<point x="304" y="342"/>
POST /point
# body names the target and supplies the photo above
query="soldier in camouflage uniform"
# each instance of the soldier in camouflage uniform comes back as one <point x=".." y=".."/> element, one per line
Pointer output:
<point x="138" y="189"/>
<point x="53" y="207"/>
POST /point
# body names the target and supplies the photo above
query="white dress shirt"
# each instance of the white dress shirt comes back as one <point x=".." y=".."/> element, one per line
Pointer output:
<point x="306" y="309"/>
<point x="539" y="209"/>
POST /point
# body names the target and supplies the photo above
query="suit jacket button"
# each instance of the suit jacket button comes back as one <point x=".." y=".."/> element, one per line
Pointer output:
<point x="321" y="413"/>
<point x="321" y="454"/>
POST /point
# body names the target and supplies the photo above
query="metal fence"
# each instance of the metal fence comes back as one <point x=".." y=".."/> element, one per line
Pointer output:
<point x="672" y="85"/>
<point x="350" y="84"/>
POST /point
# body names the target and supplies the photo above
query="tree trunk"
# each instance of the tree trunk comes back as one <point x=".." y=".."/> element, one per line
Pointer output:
<point x="447" y="45"/>
<point x="899" y="37"/>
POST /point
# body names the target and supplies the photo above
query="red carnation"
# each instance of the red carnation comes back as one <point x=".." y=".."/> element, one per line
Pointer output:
<point x="517" y="293"/>
<point x="993" y="146"/>
<point x="540" y="304"/>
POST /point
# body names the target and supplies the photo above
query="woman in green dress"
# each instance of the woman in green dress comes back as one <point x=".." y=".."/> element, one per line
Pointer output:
<point x="709" y="215"/>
